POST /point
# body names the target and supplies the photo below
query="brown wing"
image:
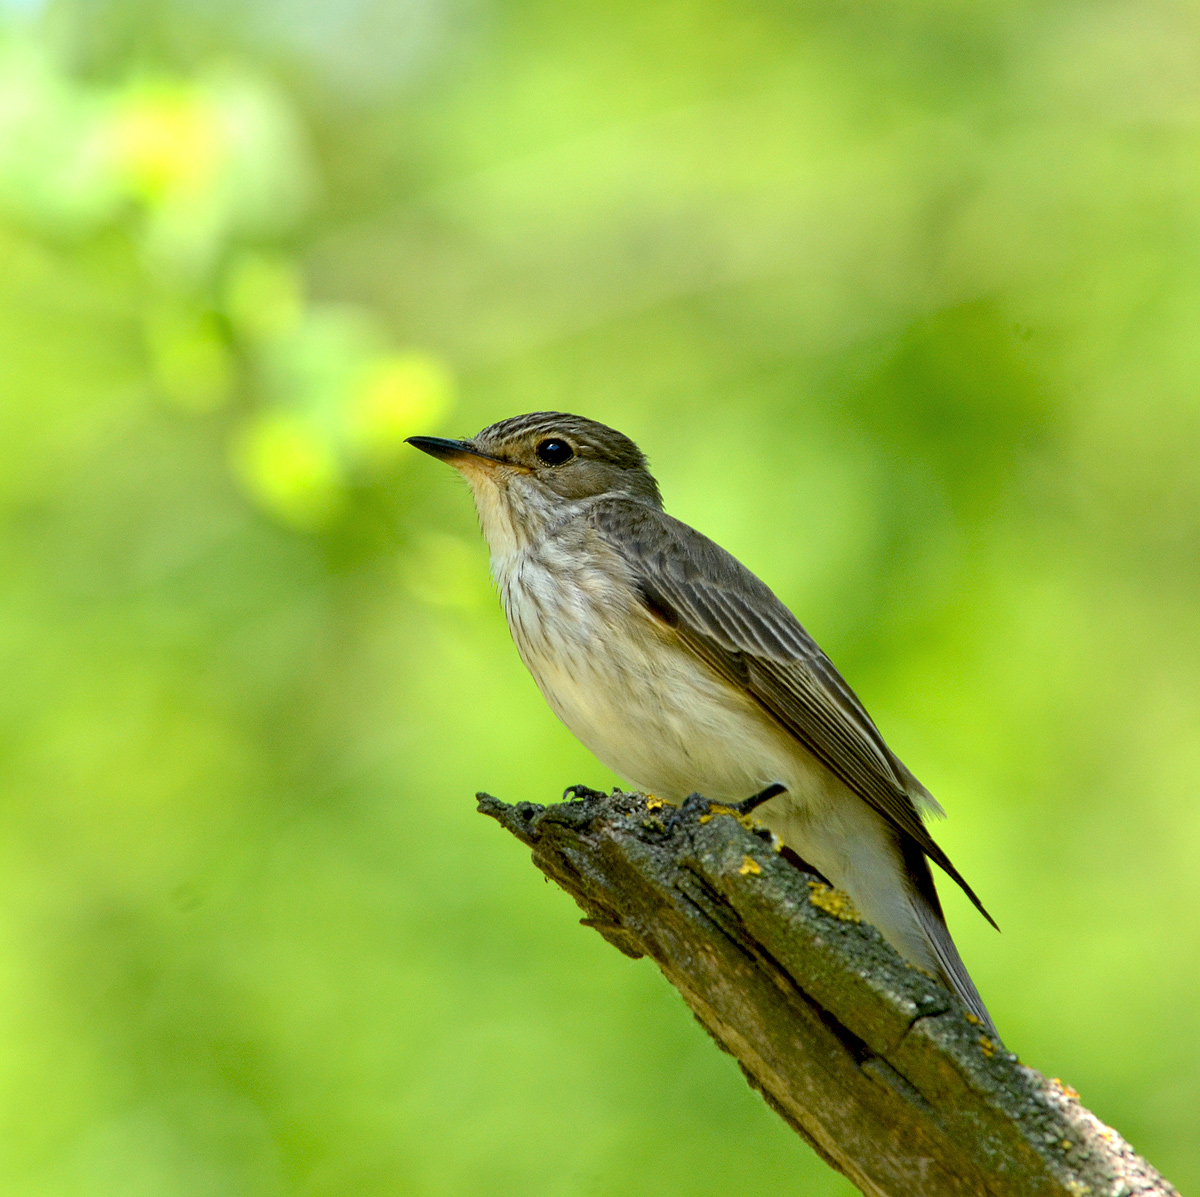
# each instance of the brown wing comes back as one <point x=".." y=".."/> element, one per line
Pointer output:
<point x="735" y="624"/>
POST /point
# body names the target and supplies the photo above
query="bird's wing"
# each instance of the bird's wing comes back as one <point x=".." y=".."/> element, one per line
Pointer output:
<point x="734" y="623"/>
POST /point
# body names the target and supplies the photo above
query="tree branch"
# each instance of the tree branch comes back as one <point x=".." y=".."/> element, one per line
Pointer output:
<point x="876" y="1065"/>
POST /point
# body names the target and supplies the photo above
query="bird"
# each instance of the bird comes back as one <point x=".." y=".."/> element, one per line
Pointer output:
<point x="682" y="671"/>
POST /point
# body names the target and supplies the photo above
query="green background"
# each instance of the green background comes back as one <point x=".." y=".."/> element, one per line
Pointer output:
<point x="902" y="298"/>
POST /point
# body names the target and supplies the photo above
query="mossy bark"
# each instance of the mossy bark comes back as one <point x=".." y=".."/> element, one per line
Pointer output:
<point x="876" y="1065"/>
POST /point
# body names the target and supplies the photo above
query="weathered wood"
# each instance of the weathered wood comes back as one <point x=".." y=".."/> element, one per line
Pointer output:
<point x="873" y="1063"/>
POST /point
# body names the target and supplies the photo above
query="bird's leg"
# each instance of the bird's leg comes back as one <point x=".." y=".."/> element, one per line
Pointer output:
<point x="580" y="792"/>
<point x="699" y="802"/>
<point x="756" y="800"/>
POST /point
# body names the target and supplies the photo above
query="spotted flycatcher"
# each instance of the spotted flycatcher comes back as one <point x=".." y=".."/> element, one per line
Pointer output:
<point x="684" y="673"/>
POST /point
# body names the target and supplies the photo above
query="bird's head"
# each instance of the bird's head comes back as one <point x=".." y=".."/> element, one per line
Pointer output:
<point x="526" y="470"/>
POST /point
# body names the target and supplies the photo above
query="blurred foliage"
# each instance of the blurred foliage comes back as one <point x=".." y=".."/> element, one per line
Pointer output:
<point x="900" y="297"/>
<point x="199" y="176"/>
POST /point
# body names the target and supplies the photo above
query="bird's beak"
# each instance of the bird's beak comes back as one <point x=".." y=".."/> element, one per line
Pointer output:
<point x="455" y="453"/>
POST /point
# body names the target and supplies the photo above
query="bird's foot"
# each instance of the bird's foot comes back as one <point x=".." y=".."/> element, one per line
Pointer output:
<point x="756" y="800"/>
<point x="697" y="802"/>
<point x="578" y="793"/>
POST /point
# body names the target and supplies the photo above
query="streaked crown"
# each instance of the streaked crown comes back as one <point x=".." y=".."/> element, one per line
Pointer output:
<point x="572" y="456"/>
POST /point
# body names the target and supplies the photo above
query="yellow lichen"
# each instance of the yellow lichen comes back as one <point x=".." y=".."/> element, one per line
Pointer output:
<point x="749" y="865"/>
<point x="989" y="1048"/>
<point x="975" y="1022"/>
<point x="833" y="902"/>
<point x="653" y="803"/>
<point x="717" y="809"/>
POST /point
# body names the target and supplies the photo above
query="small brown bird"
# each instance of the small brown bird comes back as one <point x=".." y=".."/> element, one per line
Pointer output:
<point x="684" y="673"/>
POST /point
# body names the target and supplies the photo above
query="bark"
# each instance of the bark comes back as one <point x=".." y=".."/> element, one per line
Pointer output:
<point x="875" y="1064"/>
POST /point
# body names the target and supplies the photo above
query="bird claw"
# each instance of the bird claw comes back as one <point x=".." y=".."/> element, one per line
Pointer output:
<point x="580" y="792"/>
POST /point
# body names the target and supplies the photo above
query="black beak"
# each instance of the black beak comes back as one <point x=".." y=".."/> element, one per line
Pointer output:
<point x="444" y="449"/>
<point x="457" y="452"/>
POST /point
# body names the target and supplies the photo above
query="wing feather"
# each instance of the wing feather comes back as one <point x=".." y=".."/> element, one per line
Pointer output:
<point x="734" y="623"/>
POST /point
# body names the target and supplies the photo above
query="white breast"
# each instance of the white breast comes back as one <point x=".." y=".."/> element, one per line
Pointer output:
<point x="634" y="697"/>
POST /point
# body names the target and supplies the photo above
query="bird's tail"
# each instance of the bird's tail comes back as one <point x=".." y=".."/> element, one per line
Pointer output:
<point x="928" y="910"/>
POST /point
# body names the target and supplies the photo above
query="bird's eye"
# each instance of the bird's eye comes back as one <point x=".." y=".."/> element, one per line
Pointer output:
<point x="554" y="452"/>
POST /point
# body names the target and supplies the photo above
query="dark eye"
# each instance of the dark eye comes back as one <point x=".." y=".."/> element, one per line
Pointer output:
<point x="554" y="452"/>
